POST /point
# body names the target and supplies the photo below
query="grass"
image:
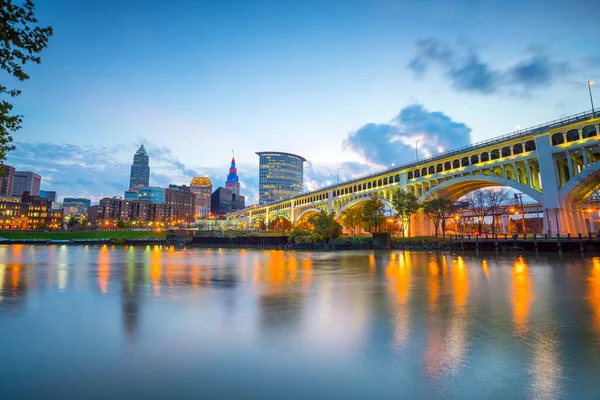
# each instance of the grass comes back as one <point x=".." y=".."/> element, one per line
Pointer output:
<point x="60" y="235"/>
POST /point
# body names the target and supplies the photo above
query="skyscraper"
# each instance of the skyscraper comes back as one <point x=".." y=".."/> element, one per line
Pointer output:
<point x="140" y="170"/>
<point x="202" y="189"/>
<point x="26" y="181"/>
<point x="281" y="176"/>
<point x="233" y="182"/>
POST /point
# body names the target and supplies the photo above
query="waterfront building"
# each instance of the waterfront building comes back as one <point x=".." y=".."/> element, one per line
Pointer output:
<point x="76" y="206"/>
<point x="131" y="195"/>
<point x="140" y="170"/>
<point x="49" y="195"/>
<point x="28" y="212"/>
<point x="182" y="204"/>
<point x="26" y="181"/>
<point x="233" y="181"/>
<point x="7" y="174"/>
<point x="281" y="176"/>
<point x="202" y="188"/>
<point x="152" y="194"/>
<point x="224" y="201"/>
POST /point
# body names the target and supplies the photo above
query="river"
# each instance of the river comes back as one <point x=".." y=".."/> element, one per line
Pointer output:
<point x="159" y="323"/>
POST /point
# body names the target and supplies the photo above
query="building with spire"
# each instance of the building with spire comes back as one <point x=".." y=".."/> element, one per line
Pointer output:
<point x="140" y="170"/>
<point x="233" y="181"/>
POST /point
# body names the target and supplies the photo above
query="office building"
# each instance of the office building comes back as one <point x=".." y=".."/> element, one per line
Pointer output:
<point x="49" y="195"/>
<point x="224" y="201"/>
<point x="76" y="206"/>
<point x="182" y="204"/>
<point x="233" y="181"/>
<point x="131" y="195"/>
<point x="7" y="174"/>
<point x="152" y="194"/>
<point x="26" y="181"/>
<point x="281" y="176"/>
<point x="140" y="170"/>
<point x="28" y="212"/>
<point x="202" y="189"/>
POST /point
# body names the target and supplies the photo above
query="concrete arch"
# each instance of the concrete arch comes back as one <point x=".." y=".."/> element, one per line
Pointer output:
<point x="361" y="200"/>
<point x="576" y="191"/>
<point x="304" y="212"/>
<point x="459" y="187"/>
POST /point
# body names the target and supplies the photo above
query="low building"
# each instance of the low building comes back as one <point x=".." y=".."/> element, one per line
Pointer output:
<point x="28" y="212"/>
<point x="224" y="201"/>
<point x="131" y="195"/>
<point x="182" y="203"/>
<point x="49" y="195"/>
<point x="76" y="206"/>
<point x="152" y="194"/>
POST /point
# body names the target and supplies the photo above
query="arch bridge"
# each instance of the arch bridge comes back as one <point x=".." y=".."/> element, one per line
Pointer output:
<point x="548" y="162"/>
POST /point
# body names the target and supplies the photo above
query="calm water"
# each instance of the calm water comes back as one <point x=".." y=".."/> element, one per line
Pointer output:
<point x="159" y="323"/>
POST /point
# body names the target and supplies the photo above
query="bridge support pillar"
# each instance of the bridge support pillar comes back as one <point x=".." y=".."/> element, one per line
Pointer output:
<point x="330" y="202"/>
<point x="553" y="221"/>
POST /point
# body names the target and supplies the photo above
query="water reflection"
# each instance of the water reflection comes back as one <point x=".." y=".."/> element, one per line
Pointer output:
<point x="434" y="321"/>
<point x="521" y="295"/>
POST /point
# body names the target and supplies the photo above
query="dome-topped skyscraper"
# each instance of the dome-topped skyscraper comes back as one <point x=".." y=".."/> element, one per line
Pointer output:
<point x="140" y="170"/>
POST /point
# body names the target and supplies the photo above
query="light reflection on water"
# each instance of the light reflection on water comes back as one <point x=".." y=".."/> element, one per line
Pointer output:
<point x="102" y="322"/>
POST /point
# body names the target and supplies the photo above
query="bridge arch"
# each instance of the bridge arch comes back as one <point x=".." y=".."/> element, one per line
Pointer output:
<point x="459" y="187"/>
<point x="361" y="200"/>
<point x="305" y="212"/>
<point x="577" y="190"/>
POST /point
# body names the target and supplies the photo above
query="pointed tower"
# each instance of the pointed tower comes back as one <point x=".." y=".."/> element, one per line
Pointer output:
<point x="233" y="182"/>
<point x="140" y="170"/>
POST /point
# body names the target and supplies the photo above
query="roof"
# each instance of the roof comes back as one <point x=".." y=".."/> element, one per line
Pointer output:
<point x="279" y="153"/>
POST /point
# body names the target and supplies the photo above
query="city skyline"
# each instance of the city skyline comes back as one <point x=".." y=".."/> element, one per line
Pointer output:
<point x="384" y="78"/>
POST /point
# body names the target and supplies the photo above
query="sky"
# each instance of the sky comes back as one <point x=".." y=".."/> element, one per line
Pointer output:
<point x="343" y="83"/>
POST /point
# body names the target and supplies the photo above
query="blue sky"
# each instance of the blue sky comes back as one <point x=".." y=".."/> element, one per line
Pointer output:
<point x="350" y="83"/>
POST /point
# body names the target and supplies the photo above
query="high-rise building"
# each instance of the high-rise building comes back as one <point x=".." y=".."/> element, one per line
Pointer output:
<point x="152" y="194"/>
<point x="76" y="206"/>
<point x="182" y="204"/>
<point x="26" y="181"/>
<point x="7" y="174"/>
<point x="281" y="176"/>
<point x="233" y="182"/>
<point x="202" y="188"/>
<point x="140" y="170"/>
<point x="224" y="201"/>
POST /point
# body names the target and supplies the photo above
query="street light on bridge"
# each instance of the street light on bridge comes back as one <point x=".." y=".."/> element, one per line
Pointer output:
<point x="417" y="149"/>
<point x="337" y="174"/>
<point x="590" y="83"/>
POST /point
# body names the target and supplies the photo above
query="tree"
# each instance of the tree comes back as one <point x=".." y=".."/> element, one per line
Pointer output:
<point x="260" y="225"/>
<point x="122" y="224"/>
<point x="476" y="203"/>
<point x="351" y="218"/>
<point x="325" y="226"/>
<point x="21" y="40"/>
<point x="405" y="204"/>
<point x="439" y="209"/>
<point x="373" y="214"/>
<point x="280" y="224"/>
<point x="73" y="222"/>
<point x="487" y="202"/>
<point x="495" y="200"/>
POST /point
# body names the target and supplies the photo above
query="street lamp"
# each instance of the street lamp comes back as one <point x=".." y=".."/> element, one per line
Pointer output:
<point x="337" y="174"/>
<point x="590" y="83"/>
<point x="417" y="149"/>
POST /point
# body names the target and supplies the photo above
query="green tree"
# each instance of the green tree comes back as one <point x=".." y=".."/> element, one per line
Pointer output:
<point x="21" y="40"/>
<point x="439" y="209"/>
<point x="351" y="218"/>
<point x="373" y="214"/>
<point x="405" y="204"/>
<point x="122" y="224"/>
<point x="73" y="222"/>
<point x="325" y="226"/>
<point x="280" y="224"/>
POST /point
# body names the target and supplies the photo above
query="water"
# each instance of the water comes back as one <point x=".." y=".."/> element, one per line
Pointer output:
<point x="156" y="323"/>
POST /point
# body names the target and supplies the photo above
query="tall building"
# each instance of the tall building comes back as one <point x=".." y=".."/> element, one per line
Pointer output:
<point x="182" y="204"/>
<point x="202" y="189"/>
<point x="281" y="176"/>
<point x="140" y="170"/>
<point x="7" y="174"/>
<point x="26" y="181"/>
<point x="224" y="201"/>
<point x="233" y="182"/>
<point x="76" y="206"/>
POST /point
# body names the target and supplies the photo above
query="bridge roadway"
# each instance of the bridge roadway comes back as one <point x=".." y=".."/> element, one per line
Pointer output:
<point x="551" y="163"/>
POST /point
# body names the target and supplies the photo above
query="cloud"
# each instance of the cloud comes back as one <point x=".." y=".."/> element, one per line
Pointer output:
<point x="394" y="143"/>
<point x="463" y="66"/>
